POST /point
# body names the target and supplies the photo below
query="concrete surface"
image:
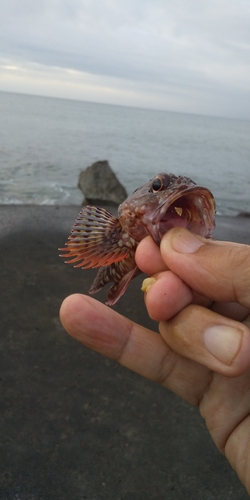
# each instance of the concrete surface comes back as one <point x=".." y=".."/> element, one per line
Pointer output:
<point x="75" y="425"/>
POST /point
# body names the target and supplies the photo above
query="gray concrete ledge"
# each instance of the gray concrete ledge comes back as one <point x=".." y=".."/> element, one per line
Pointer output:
<point x="73" y="424"/>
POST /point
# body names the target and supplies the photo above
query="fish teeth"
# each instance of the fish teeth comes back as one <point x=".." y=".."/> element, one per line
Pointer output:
<point x="178" y="211"/>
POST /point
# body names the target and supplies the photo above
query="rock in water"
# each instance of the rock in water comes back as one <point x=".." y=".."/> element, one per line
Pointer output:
<point x="100" y="185"/>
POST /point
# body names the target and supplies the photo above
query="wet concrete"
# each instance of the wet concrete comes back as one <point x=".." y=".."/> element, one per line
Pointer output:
<point x="73" y="424"/>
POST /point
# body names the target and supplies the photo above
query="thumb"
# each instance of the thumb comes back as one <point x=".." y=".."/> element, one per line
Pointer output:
<point x="215" y="269"/>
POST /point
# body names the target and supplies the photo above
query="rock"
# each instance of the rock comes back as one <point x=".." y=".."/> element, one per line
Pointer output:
<point x="243" y="214"/>
<point x="100" y="185"/>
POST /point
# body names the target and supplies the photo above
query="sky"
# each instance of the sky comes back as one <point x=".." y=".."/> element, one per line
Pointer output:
<point x="190" y="56"/>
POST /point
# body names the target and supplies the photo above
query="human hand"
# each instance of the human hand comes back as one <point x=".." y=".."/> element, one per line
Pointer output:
<point x="202" y="354"/>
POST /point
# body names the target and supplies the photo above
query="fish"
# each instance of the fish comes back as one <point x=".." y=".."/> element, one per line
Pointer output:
<point x="98" y="239"/>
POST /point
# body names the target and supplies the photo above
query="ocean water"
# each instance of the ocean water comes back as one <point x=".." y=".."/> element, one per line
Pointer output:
<point x="46" y="142"/>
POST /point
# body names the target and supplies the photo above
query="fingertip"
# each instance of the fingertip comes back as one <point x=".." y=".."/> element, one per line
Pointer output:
<point x="181" y="240"/>
<point x="148" y="257"/>
<point x="230" y="345"/>
<point x="82" y="315"/>
<point x="94" y="324"/>
<point x="71" y="299"/>
<point x="68" y="308"/>
<point x="166" y="296"/>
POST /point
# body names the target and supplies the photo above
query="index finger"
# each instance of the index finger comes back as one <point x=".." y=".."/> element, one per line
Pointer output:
<point x="133" y="346"/>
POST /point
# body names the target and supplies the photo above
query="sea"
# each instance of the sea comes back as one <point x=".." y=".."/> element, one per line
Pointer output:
<point x="46" y="142"/>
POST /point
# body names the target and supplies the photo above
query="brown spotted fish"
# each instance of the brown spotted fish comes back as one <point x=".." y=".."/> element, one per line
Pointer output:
<point x="99" y="239"/>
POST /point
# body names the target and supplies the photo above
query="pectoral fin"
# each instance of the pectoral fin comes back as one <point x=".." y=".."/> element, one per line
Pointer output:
<point x="97" y="239"/>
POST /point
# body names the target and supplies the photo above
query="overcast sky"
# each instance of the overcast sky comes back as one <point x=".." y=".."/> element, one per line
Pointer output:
<point x="180" y="55"/>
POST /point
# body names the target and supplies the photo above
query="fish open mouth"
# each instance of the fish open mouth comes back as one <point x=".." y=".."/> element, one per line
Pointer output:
<point x="192" y="208"/>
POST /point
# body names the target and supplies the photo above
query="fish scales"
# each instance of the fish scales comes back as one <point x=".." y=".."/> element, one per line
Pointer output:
<point x="98" y="239"/>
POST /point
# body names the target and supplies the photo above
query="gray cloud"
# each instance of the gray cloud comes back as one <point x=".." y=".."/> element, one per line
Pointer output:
<point x="195" y="53"/>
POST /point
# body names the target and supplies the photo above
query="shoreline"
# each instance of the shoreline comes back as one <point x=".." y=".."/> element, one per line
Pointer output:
<point x="240" y="213"/>
<point x="60" y="218"/>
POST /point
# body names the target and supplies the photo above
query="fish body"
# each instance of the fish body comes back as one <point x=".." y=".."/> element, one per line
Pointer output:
<point x="98" y="239"/>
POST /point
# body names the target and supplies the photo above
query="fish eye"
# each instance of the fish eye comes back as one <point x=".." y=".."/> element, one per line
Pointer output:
<point x="157" y="184"/>
<point x="160" y="183"/>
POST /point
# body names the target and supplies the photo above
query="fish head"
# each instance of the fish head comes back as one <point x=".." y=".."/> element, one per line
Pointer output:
<point x="168" y="201"/>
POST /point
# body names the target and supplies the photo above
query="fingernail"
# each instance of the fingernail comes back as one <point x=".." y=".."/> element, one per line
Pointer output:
<point x="147" y="283"/>
<point x="223" y="342"/>
<point x="185" y="242"/>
